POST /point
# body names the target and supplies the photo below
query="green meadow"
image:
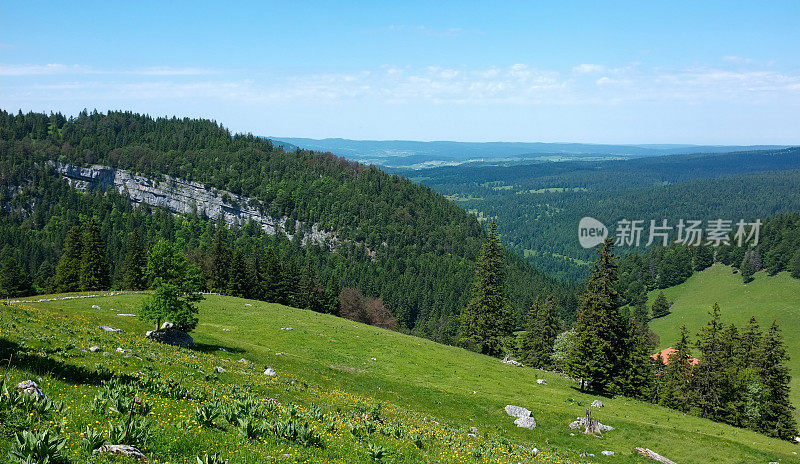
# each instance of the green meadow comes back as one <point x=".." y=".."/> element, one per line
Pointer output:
<point x="426" y="391"/>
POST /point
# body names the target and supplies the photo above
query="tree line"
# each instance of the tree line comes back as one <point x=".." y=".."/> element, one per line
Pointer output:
<point x="740" y="376"/>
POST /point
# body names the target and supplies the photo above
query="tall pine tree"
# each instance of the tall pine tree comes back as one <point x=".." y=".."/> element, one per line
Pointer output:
<point x="777" y="418"/>
<point x="541" y="331"/>
<point x="676" y="378"/>
<point x="597" y="354"/>
<point x="13" y="280"/>
<point x="134" y="262"/>
<point x="710" y="375"/>
<point x="488" y="315"/>
<point x="68" y="271"/>
<point x="94" y="262"/>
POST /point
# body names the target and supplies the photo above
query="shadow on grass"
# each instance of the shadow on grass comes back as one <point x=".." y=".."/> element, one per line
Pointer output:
<point x="46" y="366"/>
<point x="213" y="348"/>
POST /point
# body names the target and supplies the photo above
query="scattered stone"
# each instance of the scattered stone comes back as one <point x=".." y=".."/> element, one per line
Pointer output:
<point x="219" y="369"/>
<point x="94" y="349"/>
<point x="121" y="450"/>
<point x="109" y="329"/>
<point x="652" y="455"/>
<point x="170" y="337"/>
<point x="597" y="404"/>
<point x="607" y="453"/>
<point x="122" y="350"/>
<point x="167" y="326"/>
<point x="517" y="411"/>
<point x="29" y="387"/>
<point x="526" y="422"/>
<point x="95" y="307"/>
<point x="286" y="328"/>
<point x="541" y="381"/>
<point x="591" y="426"/>
<point x="508" y="360"/>
<point x="374" y="359"/>
<point x="226" y="330"/>
<point x="127" y="315"/>
<point x="244" y="361"/>
<point x="270" y="372"/>
<point x="280" y="353"/>
<point x="472" y="435"/>
<point x="473" y="429"/>
<point x="248" y="305"/>
<point x="535" y="451"/>
<point x="222" y="349"/>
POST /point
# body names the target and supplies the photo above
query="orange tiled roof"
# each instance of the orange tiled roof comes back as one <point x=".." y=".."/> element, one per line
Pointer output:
<point x="668" y="352"/>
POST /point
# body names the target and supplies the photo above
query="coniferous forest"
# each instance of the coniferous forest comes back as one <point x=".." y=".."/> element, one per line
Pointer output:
<point x="404" y="251"/>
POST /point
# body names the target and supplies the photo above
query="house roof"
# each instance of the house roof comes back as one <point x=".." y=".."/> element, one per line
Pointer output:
<point x="667" y="353"/>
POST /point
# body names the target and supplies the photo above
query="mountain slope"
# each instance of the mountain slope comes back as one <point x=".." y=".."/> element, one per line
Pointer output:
<point x="767" y="298"/>
<point x="400" y="242"/>
<point x="457" y="388"/>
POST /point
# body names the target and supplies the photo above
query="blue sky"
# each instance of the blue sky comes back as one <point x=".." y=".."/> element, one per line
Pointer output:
<point x="608" y="72"/>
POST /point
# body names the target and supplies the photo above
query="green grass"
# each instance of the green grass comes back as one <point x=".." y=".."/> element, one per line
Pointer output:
<point x="767" y="298"/>
<point x="419" y="381"/>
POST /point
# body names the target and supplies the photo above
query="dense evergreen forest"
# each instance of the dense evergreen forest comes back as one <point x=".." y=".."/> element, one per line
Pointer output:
<point x="402" y="245"/>
<point x="538" y="205"/>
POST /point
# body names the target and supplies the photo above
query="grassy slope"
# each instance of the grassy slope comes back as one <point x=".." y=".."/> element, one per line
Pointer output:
<point x="767" y="298"/>
<point x="455" y="386"/>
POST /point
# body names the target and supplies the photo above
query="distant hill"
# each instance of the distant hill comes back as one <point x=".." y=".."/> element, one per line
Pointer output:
<point x="767" y="298"/>
<point x="538" y="205"/>
<point x="407" y="153"/>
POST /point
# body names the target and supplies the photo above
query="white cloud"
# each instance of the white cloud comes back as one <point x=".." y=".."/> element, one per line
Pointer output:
<point x="588" y="68"/>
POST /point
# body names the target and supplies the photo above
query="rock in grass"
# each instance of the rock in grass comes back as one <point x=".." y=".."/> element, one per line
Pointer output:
<point x="509" y="361"/>
<point x="167" y="326"/>
<point x="597" y="404"/>
<point x="29" y="387"/>
<point x="121" y="450"/>
<point x="270" y="372"/>
<point x="95" y="307"/>
<point x="525" y="422"/>
<point x="541" y="381"/>
<point x="94" y="349"/>
<point x="517" y="411"/>
<point x="652" y="455"/>
<point x="219" y="369"/>
<point x="110" y="329"/>
<point x="607" y="453"/>
<point x="170" y="337"/>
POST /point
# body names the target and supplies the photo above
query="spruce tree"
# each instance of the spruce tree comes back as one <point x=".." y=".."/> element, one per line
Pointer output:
<point x="488" y="315"/>
<point x="660" y="306"/>
<point x="13" y="280"/>
<point x="777" y="419"/>
<point x="710" y="375"/>
<point x="237" y="276"/>
<point x="597" y="353"/>
<point x="676" y="379"/>
<point x="637" y="379"/>
<point x="540" y="334"/>
<point x="751" y="341"/>
<point x="68" y="271"/>
<point x="221" y="257"/>
<point x="94" y="263"/>
<point x="271" y="277"/>
<point x="134" y="262"/>
<point x="307" y="288"/>
<point x="332" y="296"/>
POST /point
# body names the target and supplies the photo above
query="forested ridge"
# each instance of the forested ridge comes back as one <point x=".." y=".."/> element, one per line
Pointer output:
<point x="424" y="247"/>
<point x="538" y="205"/>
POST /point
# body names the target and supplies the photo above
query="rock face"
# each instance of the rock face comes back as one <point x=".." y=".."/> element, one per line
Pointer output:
<point x="597" y="404"/>
<point x="170" y="337"/>
<point x="184" y="197"/>
<point x="29" y="387"/>
<point x="121" y="450"/>
<point x="524" y="418"/>
<point x="509" y="361"/>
